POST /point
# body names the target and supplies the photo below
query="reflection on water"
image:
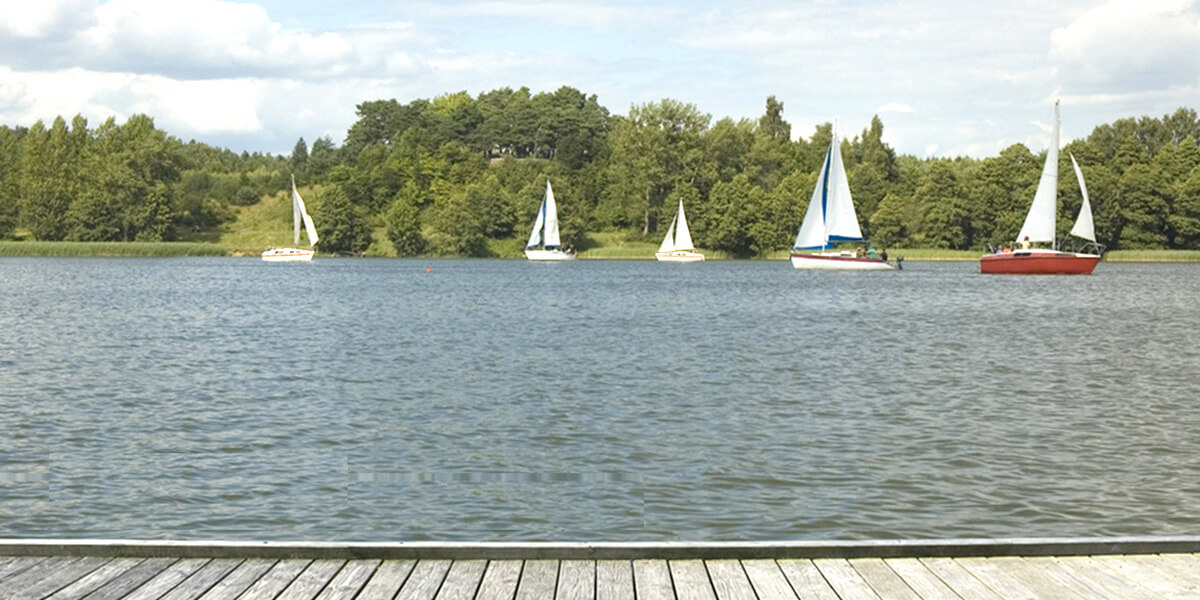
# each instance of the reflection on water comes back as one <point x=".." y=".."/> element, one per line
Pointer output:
<point x="502" y="400"/>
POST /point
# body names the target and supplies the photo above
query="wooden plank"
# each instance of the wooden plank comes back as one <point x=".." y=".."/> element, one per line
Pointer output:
<point x="576" y="580"/>
<point x="424" y="581"/>
<point x="312" y="579"/>
<point x="33" y="574"/>
<point x="500" y="580"/>
<point x="691" y="580"/>
<point x="1080" y="585"/>
<point x="1110" y="580"/>
<point x="387" y="580"/>
<point x="203" y="579"/>
<point x="1151" y="573"/>
<point x="59" y="578"/>
<point x="166" y="579"/>
<point x="882" y="579"/>
<point x="959" y="579"/>
<point x="729" y="580"/>
<point x="1037" y="579"/>
<point x="993" y="575"/>
<point x="806" y="579"/>
<point x="614" y="579"/>
<point x="16" y="564"/>
<point x="844" y="579"/>
<point x="652" y="580"/>
<point x="462" y="581"/>
<point x="240" y="579"/>
<point x="1186" y="565"/>
<point x="768" y="579"/>
<point x="350" y="580"/>
<point x="538" y="580"/>
<point x="925" y="583"/>
<point x="96" y="579"/>
<point x="132" y="579"/>
<point x="276" y="580"/>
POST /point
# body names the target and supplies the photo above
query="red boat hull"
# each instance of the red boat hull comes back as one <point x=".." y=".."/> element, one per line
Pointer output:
<point x="1038" y="262"/>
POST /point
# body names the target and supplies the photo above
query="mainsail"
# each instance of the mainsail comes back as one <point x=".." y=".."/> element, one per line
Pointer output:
<point x="830" y="216"/>
<point x="1039" y="223"/>
<point x="545" y="228"/>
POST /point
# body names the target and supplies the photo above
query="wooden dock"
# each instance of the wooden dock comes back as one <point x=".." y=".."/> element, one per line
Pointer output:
<point x="1116" y="568"/>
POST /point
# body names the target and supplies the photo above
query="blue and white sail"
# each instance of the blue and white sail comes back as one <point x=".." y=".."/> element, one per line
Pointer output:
<point x="545" y="228"/>
<point x="830" y="216"/>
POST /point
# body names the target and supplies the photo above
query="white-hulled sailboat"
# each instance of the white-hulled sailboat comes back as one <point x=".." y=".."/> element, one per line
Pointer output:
<point x="677" y="246"/>
<point x="543" y="242"/>
<point x="299" y="215"/>
<point x="830" y="218"/>
<point x="1040" y="224"/>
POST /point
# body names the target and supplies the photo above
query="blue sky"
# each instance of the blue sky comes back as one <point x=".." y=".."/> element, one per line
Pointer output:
<point x="948" y="78"/>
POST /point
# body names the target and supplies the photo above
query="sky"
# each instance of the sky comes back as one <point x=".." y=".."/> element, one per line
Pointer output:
<point x="947" y="77"/>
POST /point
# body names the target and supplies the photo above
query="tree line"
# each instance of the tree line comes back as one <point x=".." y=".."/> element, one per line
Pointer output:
<point x="463" y="175"/>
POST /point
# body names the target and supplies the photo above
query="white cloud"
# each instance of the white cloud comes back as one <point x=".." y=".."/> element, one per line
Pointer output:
<point x="894" y="107"/>
<point x="1145" y="44"/>
<point x="44" y="18"/>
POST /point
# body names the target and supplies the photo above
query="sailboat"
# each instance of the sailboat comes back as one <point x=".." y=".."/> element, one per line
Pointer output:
<point x="1039" y="227"/>
<point x="677" y="245"/>
<point x="299" y="214"/>
<point x="830" y="218"/>
<point x="543" y="244"/>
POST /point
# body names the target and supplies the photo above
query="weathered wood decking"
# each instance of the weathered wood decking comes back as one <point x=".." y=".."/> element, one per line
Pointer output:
<point x="1118" y="568"/>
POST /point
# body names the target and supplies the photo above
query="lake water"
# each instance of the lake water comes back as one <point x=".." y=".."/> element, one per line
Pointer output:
<point x="395" y="400"/>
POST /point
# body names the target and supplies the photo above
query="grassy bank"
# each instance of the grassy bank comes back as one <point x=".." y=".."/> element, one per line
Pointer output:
<point x="127" y="249"/>
<point x="1152" y="256"/>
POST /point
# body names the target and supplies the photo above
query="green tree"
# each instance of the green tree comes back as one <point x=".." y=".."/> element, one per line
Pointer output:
<point x="947" y="223"/>
<point x="404" y="224"/>
<point x="10" y="180"/>
<point x="1185" y="219"/>
<point x="1143" y="208"/>
<point x="733" y="207"/>
<point x="344" y="227"/>
<point x="298" y="161"/>
<point x="889" y="222"/>
<point x="455" y="229"/>
<point x="772" y="125"/>
<point x="49" y="166"/>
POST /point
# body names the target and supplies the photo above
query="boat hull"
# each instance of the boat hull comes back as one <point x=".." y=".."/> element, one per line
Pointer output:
<point x="679" y="256"/>
<point x="1038" y="262"/>
<point x="287" y="255"/>
<point x="553" y="255"/>
<point x="840" y="261"/>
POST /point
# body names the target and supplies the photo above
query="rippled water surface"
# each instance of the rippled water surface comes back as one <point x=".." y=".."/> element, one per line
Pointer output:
<point x="600" y="400"/>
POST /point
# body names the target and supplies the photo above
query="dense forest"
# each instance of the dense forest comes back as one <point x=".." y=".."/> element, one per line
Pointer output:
<point x="463" y="175"/>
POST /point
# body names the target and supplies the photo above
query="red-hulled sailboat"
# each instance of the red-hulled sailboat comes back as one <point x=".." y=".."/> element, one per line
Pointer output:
<point x="1039" y="227"/>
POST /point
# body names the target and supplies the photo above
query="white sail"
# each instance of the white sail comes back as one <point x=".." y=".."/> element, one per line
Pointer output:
<point x="1083" y="224"/>
<point x="668" y="243"/>
<point x="683" y="235"/>
<point x="545" y="228"/>
<point x="830" y="214"/>
<point x="1039" y="223"/>
<point x="535" y="236"/>
<point x="840" y="221"/>
<point x="551" y="219"/>
<point x="300" y="214"/>
<point x="812" y="230"/>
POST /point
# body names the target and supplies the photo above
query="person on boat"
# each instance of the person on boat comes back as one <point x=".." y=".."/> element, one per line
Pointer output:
<point x="1025" y="243"/>
<point x="871" y="254"/>
<point x="883" y="255"/>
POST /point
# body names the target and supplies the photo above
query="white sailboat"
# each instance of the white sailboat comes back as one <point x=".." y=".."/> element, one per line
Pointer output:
<point x="543" y="244"/>
<point x="299" y="215"/>
<point x="831" y="218"/>
<point x="1039" y="226"/>
<point x="677" y="246"/>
